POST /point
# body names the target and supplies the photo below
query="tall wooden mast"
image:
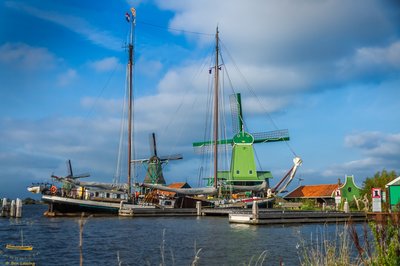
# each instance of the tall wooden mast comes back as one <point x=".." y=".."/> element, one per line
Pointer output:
<point x="216" y="100"/>
<point x="130" y="99"/>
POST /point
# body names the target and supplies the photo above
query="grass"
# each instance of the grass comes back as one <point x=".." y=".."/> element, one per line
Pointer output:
<point x="377" y="244"/>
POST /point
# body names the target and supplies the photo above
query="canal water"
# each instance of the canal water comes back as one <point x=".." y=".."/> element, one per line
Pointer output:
<point x="154" y="241"/>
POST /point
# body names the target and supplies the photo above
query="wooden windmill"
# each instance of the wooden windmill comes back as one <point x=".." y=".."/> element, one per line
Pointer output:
<point x="243" y="171"/>
<point x="154" y="173"/>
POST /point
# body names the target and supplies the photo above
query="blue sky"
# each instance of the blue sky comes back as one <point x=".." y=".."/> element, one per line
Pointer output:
<point x="326" y="70"/>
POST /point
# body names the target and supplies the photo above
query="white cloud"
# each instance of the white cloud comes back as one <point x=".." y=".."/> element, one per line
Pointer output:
<point x="73" y="23"/>
<point x="290" y="47"/>
<point x="106" y="64"/>
<point x="67" y="77"/>
<point x="378" y="150"/>
<point x="376" y="144"/>
<point x="26" y="57"/>
<point x="372" y="61"/>
<point x="149" y="68"/>
<point x="135" y="3"/>
<point x="103" y="106"/>
<point x="91" y="143"/>
<point x="278" y="31"/>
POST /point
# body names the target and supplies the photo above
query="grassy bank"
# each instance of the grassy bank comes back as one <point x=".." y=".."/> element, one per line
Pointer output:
<point x="375" y="244"/>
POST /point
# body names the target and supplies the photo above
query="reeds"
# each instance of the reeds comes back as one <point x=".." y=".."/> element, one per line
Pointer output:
<point x="328" y="250"/>
<point x="375" y="244"/>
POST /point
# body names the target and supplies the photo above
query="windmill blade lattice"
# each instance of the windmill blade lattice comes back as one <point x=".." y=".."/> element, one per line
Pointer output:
<point x="171" y="157"/>
<point x="236" y="118"/>
<point x="208" y="148"/>
<point x="271" y="136"/>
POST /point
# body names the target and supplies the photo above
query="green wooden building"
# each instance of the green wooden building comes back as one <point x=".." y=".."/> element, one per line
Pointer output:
<point x="393" y="189"/>
<point x="349" y="189"/>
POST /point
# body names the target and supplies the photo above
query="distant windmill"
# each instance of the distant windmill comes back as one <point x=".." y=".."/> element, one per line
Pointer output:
<point x="70" y="175"/>
<point x="154" y="174"/>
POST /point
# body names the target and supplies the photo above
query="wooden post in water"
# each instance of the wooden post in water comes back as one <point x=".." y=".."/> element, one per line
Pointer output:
<point x="198" y="207"/>
<point x="4" y="207"/>
<point x="18" y="208"/>
<point x="82" y="222"/>
<point x="12" y="209"/>
<point x="254" y="210"/>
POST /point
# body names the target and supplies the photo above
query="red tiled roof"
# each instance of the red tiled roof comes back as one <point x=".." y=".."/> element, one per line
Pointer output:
<point x="313" y="191"/>
<point x="174" y="185"/>
<point x="179" y="185"/>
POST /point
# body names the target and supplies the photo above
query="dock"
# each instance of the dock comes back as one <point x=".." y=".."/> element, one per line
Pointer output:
<point x="245" y="216"/>
<point x="290" y="217"/>
<point x="137" y="212"/>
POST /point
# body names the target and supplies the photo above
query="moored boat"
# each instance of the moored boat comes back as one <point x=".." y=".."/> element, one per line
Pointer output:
<point x="242" y="178"/>
<point x="75" y="196"/>
<point x="21" y="247"/>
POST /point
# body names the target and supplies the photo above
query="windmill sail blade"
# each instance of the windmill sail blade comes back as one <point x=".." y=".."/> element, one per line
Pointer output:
<point x="271" y="136"/>
<point x="171" y="157"/>
<point x="81" y="176"/>
<point x="153" y="144"/>
<point x="235" y="113"/>
<point x="140" y="161"/>
<point x="69" y="168"/>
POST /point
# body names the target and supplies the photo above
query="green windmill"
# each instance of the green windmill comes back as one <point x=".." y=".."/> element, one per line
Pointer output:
<point x="243" y="172"/>
<point x="154" y="174"/>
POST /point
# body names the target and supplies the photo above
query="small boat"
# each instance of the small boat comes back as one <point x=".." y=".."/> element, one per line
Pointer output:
<point x="20" y="247"/>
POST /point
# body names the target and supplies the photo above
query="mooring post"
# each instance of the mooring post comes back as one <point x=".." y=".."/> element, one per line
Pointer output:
<point x="4" y="207"/>
<point x="18" y="208"/>
<point x="198" y="207"/>
<point x="254" y="210"/>
<point x="346" y="207"/>
<point x="12" y="209"/>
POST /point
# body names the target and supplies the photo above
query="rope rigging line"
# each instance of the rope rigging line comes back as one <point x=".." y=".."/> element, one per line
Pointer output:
<point x="233" y="91"/>
<point x="257" y="98"/>
<point x="117" y="175"/>
<point x="172" y="119"/>
<point x="101" y="92"/>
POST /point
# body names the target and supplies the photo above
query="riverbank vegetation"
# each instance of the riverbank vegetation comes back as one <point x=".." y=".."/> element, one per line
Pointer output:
<point x="372" y="244"/>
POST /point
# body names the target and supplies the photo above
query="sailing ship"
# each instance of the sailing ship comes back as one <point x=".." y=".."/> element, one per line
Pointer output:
<point x="242" y="175"/>
<point x="21" y="247"/>
<point x="76" y="196"/>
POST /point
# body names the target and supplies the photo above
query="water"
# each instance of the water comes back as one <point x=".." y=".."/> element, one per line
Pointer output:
<point x="151" y="241"/>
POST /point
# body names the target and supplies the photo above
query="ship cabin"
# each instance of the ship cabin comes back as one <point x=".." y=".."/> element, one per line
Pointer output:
<point x="105" y="195"/>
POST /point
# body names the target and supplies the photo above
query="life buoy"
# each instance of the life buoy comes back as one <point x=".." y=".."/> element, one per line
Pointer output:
<point x="53" y="189"/>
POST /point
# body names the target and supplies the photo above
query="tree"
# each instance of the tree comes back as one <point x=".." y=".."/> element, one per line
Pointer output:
<point x="379" y="180"/>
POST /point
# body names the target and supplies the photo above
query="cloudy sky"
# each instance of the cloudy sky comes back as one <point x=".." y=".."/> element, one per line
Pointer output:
<point x="326" y="70"/>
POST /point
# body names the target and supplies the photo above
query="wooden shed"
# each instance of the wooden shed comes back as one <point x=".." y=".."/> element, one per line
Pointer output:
<point x="393" y="189"/>
<point x="324" y="193"/>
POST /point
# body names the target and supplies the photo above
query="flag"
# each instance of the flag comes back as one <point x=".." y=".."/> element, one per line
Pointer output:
<point x="127" y="16"/>
<point x="133" y="11"/>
